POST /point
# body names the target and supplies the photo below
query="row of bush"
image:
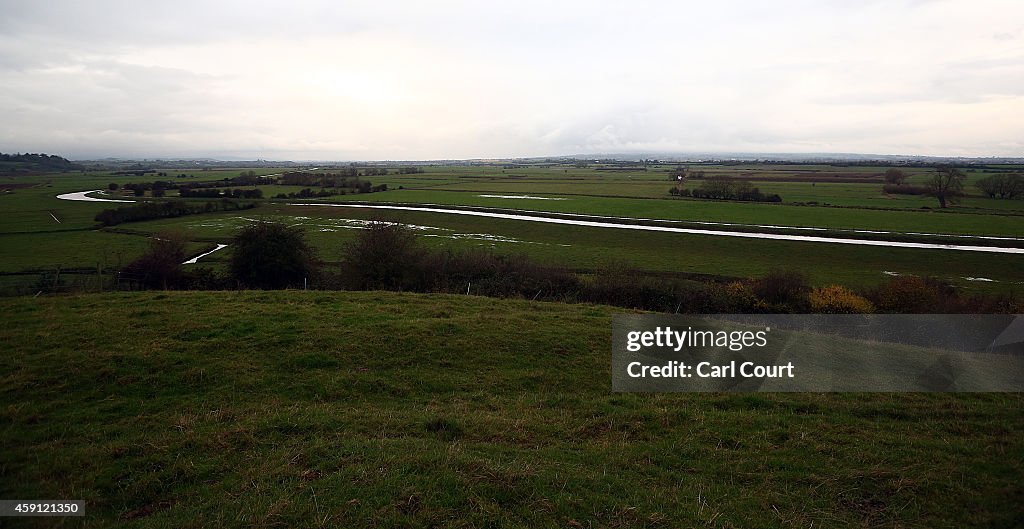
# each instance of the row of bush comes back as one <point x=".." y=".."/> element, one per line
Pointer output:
<point x="336" y="185"/>
<point x="347" y="178"/>
<point x="904" y="189"/>
<point x="185" y="192"/>
<point x="160" y="210"/>
<point x="389" y="256"/>
<point x="720" y="188"/>
<point x="754" y="195"/>
<point x="159" y="187"/>
<point x="309" y="193"/>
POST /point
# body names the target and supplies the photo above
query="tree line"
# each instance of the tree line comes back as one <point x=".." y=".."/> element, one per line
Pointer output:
<point x="36" y="162"/>
<point x="160" y="210"/>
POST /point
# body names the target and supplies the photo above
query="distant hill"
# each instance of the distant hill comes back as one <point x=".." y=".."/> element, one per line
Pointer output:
<point x="11" y="164"/>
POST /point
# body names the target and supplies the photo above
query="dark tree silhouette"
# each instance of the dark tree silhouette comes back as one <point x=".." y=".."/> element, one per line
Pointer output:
<point x="1002" y="185"/>
<point x="160" y="266"/>
<point x="946" y="184"/>
<point x="895" y="176"/>
<point x="386" y="255"/>
<point x="271" y="255"/>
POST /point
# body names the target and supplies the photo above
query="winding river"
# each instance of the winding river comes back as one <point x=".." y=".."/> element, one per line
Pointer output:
<point x="672" y="229"/>
<point x="83" y="196"/>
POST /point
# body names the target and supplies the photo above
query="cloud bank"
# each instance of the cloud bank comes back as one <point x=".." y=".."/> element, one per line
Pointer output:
<point x="428" y="80"/>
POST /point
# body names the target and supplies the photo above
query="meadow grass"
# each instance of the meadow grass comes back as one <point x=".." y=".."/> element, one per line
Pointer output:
<point x="265" y="409"/>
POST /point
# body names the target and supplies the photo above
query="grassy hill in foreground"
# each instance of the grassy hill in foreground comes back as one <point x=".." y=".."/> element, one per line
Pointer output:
<point x="382" y="409"/>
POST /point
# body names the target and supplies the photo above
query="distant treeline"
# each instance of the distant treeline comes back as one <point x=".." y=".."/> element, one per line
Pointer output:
<point x="337" y="183"/>
<point x="31" y="163"/>
<point x="246" y="179"/>
<point x="161" y="210"/>
<point x="344" y="181"/>
<point x="136" y="172"/>
<point x="159" y="188"/>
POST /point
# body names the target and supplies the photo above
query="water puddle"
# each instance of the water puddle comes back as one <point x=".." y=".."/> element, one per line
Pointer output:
<point x="523" y="197"/>
<point x="328" y="225"/>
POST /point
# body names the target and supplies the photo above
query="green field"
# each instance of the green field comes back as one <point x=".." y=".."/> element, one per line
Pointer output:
<point x="250" y="409"/>
<point x="40" y="233"/>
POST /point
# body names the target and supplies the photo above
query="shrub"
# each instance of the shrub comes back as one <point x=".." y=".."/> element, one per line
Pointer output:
<point x="205" y="278"/>
<point x="490" y="274"/>
<point x="895" y="176"/>
<point x="783" y="290"/>
<point x="388" y="256"/>
<point x="902" y="189"/>
<point x="160" y="266"/>
<point x="739" y="297"/>
<point x="911" y="295"/>
<point x="835" y="299"/>
<point x="384" y="256"/>
<point x="271" y="255"/>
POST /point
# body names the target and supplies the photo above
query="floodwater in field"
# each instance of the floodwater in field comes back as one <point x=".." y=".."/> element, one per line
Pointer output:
<point x="973" y="279"/>
<point x="523" y="197"/>
<point x="83" y="196"/>
<point x="329" y="225"/>
<point x="671" y="229"/>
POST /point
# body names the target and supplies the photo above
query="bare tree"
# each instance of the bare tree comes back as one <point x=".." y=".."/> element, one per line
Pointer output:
<point x="946" y="184"/>
<point x="1002" y="185"/>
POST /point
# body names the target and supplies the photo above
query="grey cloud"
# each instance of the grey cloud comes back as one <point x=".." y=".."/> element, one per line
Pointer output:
<point x="500" y="78"/>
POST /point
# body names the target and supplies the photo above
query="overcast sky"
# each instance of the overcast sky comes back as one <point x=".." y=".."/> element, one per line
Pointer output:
<point x="445" y="79"/>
